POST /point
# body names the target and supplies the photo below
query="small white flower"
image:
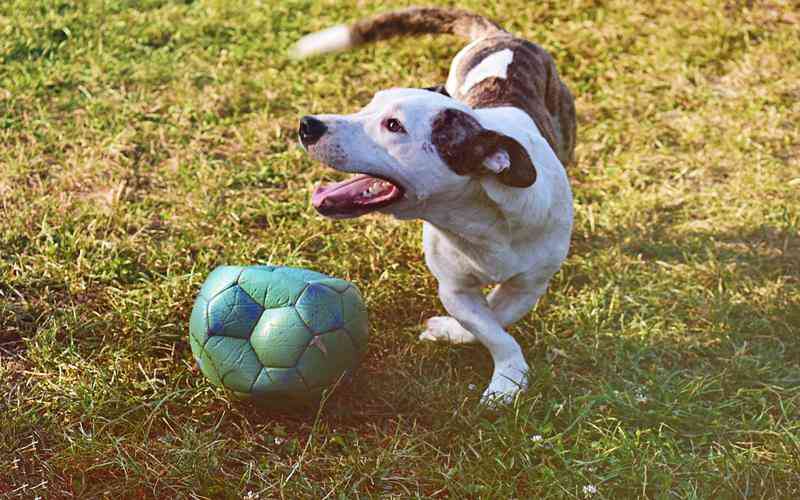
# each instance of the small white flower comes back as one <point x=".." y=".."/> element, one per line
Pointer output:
<point x="536" y="438"/>
<point x="472" y="387"/>
<point x="278" y="440"/>
<point x="640" y="397"/>
<point x="251" y="495"/>
<point x="589" y="490"/>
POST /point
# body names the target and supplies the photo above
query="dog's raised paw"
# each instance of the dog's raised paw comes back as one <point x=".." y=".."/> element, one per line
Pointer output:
<point x="446" y="329"/>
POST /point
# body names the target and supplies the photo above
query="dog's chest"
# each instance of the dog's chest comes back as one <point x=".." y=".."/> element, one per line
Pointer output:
<point x="453" y="259"/>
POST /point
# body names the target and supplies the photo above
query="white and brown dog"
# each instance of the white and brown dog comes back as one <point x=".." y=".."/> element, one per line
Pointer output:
<point x="480" y="161"/>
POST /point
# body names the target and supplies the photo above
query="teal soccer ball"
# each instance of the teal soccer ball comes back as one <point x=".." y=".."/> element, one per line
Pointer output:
<point x="277" y="333"/>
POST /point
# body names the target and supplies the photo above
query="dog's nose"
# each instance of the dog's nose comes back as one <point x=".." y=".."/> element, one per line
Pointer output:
<point x="311" y="130"/>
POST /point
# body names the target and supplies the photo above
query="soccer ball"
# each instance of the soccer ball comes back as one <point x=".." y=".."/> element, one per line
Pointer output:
<point x="277" y="333"/>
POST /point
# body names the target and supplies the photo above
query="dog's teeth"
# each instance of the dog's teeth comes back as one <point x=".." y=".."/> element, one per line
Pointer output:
<point x="374" y="189"/>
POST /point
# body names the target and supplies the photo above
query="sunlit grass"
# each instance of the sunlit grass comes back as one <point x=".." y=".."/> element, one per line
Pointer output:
<point x="144" y="143"/>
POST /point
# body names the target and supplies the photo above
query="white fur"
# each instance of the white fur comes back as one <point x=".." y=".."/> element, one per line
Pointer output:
<point x="492" y="66"/>
<point x="477" y="231"/>
<point x="328" y="40"/>
<point x="447" y="329"/>
<point x="452" y="77"/>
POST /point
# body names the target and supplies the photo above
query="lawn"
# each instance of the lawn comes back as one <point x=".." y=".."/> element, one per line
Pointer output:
<point x="143" y="143"/>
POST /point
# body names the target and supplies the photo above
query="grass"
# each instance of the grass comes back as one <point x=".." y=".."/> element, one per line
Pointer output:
<point x="146" y="142"/>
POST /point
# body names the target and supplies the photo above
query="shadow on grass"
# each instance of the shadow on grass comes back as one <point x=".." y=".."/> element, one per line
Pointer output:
<point x="748" y="342"/>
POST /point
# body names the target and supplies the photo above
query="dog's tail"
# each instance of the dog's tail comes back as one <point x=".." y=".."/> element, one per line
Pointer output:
<point x="413" y="21"/>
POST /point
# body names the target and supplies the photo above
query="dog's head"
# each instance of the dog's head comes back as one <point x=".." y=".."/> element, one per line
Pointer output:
<point x="408" y="145"/>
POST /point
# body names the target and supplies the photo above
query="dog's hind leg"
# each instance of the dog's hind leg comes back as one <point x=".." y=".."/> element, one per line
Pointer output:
<point x="512" y="300"/>
<point x="446" y="329"/>
<point x="509" y="302"/>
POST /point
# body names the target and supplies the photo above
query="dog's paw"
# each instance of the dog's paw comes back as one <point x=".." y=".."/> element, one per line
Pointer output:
<point x="507" y="381"/>
<point x="446" y="329"/>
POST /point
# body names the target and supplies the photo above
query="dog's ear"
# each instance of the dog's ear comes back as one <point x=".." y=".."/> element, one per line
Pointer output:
<point x="469" y="149"/>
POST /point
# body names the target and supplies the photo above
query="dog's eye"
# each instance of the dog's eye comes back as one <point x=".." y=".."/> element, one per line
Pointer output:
<point x="394" y="126"/>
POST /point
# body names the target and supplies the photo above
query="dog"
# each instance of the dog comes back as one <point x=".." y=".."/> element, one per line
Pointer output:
<point x="480" y="160"/>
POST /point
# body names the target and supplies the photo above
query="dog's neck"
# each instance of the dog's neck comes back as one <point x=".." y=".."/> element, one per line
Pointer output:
<point x="484" y="214"/>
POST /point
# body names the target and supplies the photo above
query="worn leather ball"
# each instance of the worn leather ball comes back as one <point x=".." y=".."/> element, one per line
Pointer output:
<point x="277" y="333"/>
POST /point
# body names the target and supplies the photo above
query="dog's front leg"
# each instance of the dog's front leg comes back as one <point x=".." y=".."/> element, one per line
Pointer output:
<point x="469" y="307"/>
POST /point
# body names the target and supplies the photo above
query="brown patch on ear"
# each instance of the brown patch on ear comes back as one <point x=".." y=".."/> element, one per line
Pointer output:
<point x="452" y="132"/>
<point x="463" y="144"/>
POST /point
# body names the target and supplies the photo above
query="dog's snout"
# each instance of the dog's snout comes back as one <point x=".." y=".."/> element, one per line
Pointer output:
<point x="311" y="130"/>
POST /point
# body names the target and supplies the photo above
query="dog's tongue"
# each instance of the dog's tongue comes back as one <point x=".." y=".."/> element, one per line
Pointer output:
<point x="355" y="196"/>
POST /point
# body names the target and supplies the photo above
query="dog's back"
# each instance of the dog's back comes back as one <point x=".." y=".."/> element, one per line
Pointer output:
<point x="502" y="70"/>
<point x="496" y="69"/>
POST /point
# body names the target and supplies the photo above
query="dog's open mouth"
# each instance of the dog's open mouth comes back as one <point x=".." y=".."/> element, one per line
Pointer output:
<point x="356" y="196"/>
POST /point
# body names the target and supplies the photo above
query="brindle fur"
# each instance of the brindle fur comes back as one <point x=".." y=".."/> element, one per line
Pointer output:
<point x="421" y="20"/>
<point x="531" y="84"/>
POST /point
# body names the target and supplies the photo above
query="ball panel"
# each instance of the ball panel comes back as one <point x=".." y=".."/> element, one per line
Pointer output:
<point x="321" y="308"/>
<point x="304" y="275"/>
<point x="326" y="358"/>
<point x="233" y="313"/>
<point x="280" y="337"/>
<point x="255" y="281"/>
<point x="335" y="283"/>
<point x="235" y="361"/>
<point x="357" y="321"/>
<point x="220" y="278"/>
<point x="198" y="321"/>
<point x="282" y="291"/>
<point x="278" y="380"/>
<point x="204" y="361"/>
<point x="359" y="332"/>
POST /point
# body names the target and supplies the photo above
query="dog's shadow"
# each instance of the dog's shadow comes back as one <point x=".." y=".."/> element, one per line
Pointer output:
<point x="571" y="352"/>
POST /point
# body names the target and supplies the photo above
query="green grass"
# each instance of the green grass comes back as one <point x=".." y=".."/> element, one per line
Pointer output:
<point x="143" y="143"/>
